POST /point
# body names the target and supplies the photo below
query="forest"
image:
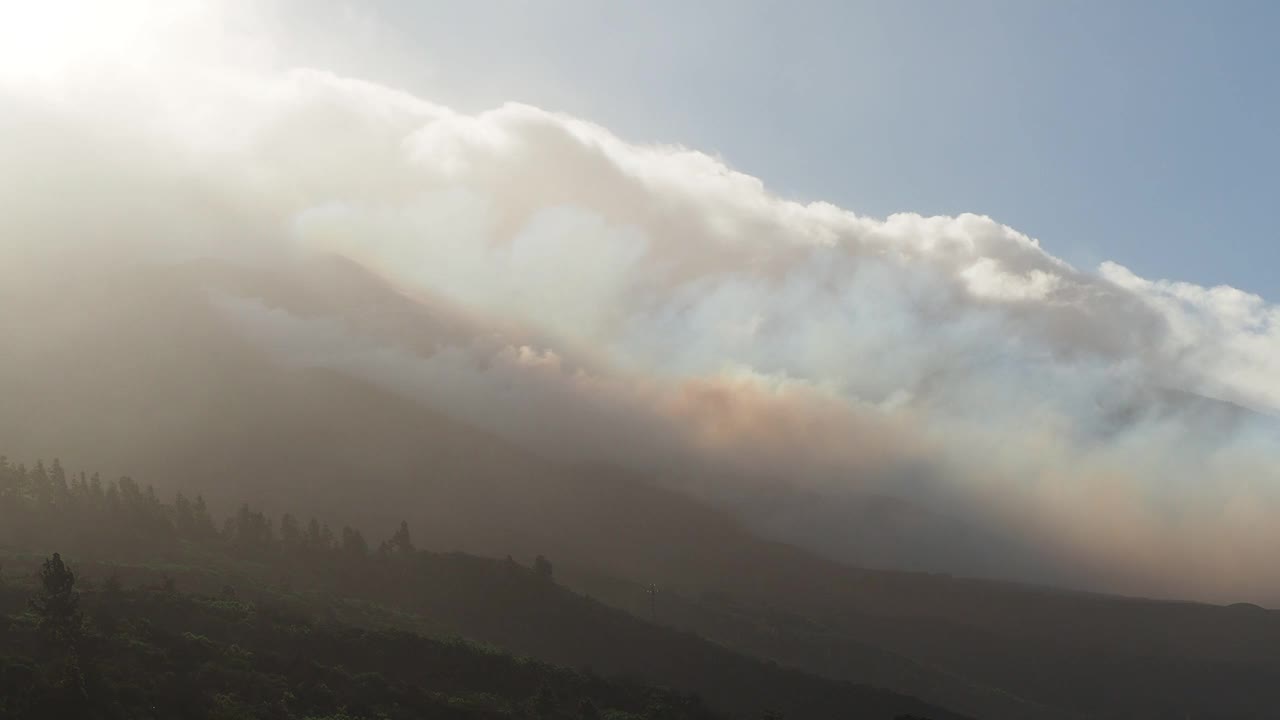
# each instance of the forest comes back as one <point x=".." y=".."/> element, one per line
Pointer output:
<point x="116" y="604"/>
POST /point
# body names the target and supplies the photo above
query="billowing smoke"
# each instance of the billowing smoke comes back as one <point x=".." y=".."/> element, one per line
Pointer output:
<point x="647" y="306"/>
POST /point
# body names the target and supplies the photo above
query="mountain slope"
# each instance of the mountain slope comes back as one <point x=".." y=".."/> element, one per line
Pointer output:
<point x="119" y="534"/>
<point x="143" y="372"/>
<point x="161" y="654"/>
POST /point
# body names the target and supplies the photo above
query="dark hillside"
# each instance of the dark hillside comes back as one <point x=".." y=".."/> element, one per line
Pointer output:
<point x="156" y="653"/>
<point x="122" y="530"/>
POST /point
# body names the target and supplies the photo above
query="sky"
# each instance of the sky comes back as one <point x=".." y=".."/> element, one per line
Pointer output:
<point x="1139" y="132"/>
<point x="1008" y="267"/>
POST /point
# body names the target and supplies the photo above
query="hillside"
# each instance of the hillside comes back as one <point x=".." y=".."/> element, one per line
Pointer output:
<point x="141" y="372"/>
<point x="153" y="652"/>
<point x="121" y="531"/>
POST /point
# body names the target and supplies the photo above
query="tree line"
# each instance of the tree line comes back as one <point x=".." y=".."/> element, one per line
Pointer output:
<point x="45" y="505"/>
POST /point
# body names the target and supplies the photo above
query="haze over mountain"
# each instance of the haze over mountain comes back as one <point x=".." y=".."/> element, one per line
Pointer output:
<point x="209" y="258"/>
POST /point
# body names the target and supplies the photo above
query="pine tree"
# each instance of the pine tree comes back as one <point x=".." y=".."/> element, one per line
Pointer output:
<point x="400" y="541"/>
<point x="96" y="493"/>
<point x="353" y="543"/>
<point x="327" y="540"/>
<point x="112" y="499"/>
<point x="314" y="540"/>
<point x="253" y="530"/>
<point x="58" y="604"/>
<point x="203" y="521"/>
<point x="290" y="533"/>
<point x="184" y="516"/>
<point x="38" y="481"/>
<point x="59" y="492"/>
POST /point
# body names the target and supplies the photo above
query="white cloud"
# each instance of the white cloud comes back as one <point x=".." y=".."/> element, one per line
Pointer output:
<point x="675" y="315"/>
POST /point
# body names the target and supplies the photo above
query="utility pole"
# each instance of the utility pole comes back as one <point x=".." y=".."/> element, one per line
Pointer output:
<point x="652" y="590"/>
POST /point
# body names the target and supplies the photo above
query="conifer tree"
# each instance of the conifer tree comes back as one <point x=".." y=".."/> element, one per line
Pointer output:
<point x="290" y="533"/>
<point x="400" y="541"/>
<point x="58" y="603"/>
<point x="353" y="543"/>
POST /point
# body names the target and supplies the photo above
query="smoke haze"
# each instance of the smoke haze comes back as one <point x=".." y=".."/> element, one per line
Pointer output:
<point x="601" y="300"/>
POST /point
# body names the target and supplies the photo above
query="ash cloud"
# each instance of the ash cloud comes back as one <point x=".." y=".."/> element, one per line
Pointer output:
<point x="647" y="306"/>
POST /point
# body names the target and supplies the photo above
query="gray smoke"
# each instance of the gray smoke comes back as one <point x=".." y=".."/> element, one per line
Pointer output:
<point x="648" y="306"/>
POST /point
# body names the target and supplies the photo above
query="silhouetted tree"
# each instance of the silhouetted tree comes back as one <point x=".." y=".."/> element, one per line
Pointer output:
<point x="184" y="516"/>
<point x="38" y="482"/>
<point x="58" y="604"/>
<point x="400" y="542"/>
<point x="203" y="521"/>
<point x="96" y="494"/>
<point x="542" y="567"/>
<point x="311" y="540"/>
<point x="327" y="540"/>
<point x="253" y="530"/>
<point x="59" y="493"/>
<point x="290" y="533"/>
<point x="353" y="543"/>
<point x="112" y="499"/>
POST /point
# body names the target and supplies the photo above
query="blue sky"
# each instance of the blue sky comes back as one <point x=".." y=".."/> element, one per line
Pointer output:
<point x="1137" y="132"/>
